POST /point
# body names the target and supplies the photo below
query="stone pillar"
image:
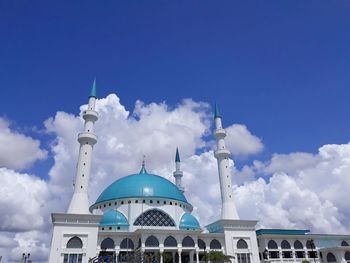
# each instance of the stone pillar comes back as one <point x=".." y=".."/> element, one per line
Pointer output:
<point x="161" y="251"/>
<point x="116" y="256"/>
<point x="179" y="252"/>
<point x="197" y="256"/>
<point x="191" y="256"/>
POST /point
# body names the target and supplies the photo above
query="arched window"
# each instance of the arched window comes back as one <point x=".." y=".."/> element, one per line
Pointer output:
<point x="298" y="245"/>
<point x="152" y="241"/>
<point x="201" y="244"/>
<point x="170" y="241"/>
<point x="107" y="243"/>
<point x="241" y="244"/>
<point x="347" y="255"/>
<point x="272" y="245"/>
<point x="344" y="243"/>
<point x="154" y="217"/>
<point x="331" y="257"/>
<point x="127" y="244"/>
<point x="75" y="242"/>
<point x="285" y="245"/>
<point x="214" y="244"/>
<point x="187" y="242"/>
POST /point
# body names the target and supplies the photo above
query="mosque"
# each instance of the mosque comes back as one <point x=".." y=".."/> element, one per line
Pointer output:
<point x="144" y="217"/>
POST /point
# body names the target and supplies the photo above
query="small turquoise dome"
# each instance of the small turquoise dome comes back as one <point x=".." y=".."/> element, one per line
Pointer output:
<point x="141" y="185"/>
<point x="188" y="221"/>
<point x="113" y="218"/>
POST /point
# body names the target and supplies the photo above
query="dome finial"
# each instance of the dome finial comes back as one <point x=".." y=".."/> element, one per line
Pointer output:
<point x="143" y="169"/>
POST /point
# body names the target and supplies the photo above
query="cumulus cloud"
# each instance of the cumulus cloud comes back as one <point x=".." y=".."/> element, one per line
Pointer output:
<point x="241" y="142"/>
<point x="21" y="151"/>
<point x="22" y="198"/>
<point x="154" y="130"/>
<point x="306" y="190"/>
<point x="23" y="211"/>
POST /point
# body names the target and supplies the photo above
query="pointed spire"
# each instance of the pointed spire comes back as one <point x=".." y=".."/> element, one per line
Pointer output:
<point x="93" y="89"/>
<point x="217" y="112"/>
<point x="143" y="169"/>
<point x="177" y="156"/>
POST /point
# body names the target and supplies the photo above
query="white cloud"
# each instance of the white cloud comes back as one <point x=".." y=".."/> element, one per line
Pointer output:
<point x="154" y="130"/>
<point x="282" y="203"/>
<point x="24" y="206"/>
<point x="22" y="198"/>
<point x="19" y="151"/>
<point x="34" y="242"/>
<point x="306" y="190"/>
<point x="241" y="142"/>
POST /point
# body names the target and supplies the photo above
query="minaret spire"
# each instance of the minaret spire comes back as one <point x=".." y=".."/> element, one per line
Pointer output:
<point x="143" y="168"/>
<point x="93" y="89"/>
<point x="222" y="154"/>
<point x="178" y="173"/>
<point x="87" y="139"/>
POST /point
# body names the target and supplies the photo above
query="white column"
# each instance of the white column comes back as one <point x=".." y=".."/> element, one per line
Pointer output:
<point x="222" y="154"/>
<point x="179" y="252"/>
<point x="87" y="139"/>
<point x="197" y="256"/>
<point x="117" y="257"/>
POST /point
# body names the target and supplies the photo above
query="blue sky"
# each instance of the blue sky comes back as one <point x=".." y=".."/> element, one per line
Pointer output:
<point x="280" y="67"/>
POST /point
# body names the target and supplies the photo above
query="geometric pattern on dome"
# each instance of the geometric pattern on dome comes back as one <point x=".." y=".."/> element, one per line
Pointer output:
<point x="154" y="217"/>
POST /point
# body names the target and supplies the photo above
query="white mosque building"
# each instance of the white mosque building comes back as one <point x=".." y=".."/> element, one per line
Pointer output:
<point x="144" y="217"/>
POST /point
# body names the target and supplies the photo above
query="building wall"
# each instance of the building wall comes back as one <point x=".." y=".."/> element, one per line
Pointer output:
<point x="62" y="234"/>
<point x="324" y="244"/>
<point x="233" y="236"/>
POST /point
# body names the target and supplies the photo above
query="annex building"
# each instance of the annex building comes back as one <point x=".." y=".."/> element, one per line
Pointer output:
<point x="144" y="217"/>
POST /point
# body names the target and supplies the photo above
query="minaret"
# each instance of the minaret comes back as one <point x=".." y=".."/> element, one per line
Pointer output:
<point x="87" y="139"/>
<point x="222" y="154"/>
<point x="178" y="173"/>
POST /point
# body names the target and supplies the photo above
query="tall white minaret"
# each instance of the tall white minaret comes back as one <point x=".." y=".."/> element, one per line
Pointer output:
<point x="178" y="173"/>
<point x="222" y="154"/>
<point x="87" y="139"/>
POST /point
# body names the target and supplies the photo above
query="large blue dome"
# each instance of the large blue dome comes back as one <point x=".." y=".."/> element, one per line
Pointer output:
<point x="141" y="185"/>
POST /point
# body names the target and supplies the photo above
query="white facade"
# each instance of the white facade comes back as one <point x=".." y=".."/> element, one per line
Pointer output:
<point x="294" y="246"/>
<point x="143" y="215"/>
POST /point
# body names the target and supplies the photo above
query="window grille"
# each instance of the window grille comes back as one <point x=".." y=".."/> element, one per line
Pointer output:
<point x="243" y="258"/>
<point x="72" y="258"/>
<point x="154" y="218"/>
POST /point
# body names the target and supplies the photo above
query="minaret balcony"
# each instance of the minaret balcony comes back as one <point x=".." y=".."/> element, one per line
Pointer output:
<point x="90" y="115"/>
<point x="87" y="137"/>
<point x="222" y="153"/>
<point x="178" y="173"/>
<point x="220" y="133"/>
